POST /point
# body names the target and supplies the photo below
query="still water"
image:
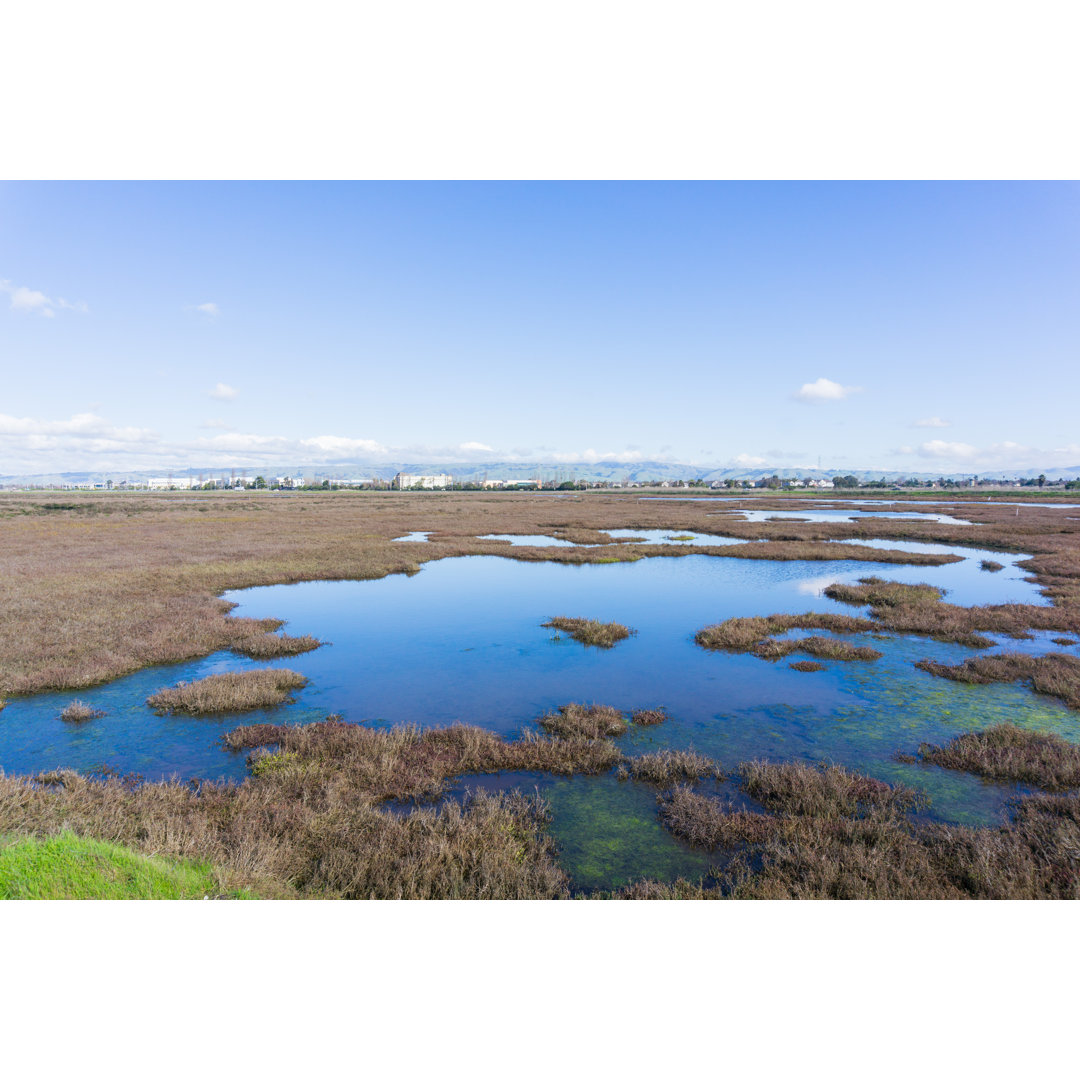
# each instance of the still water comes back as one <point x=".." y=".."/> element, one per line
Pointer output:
<point x="462" y="641"/>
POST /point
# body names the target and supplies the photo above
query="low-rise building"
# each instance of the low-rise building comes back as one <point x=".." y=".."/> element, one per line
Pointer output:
<point x="412" y="481"/>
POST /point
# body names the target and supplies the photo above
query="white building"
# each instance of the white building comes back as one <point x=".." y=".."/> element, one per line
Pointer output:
<point x="407" y="481"/>
<point x="174" y="483"/>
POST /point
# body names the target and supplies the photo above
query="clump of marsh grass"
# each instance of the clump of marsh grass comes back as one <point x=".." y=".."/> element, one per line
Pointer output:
<point x="1009" y="753"/>
<point x="743" y="634"/>
<point x="234" y="691"/>
<point x="406" y="763"/>
<point x="806" y="665"/>
<point x="1056" y="674"/>
<point x="823" y="791"/>
<point x="879" y="593"/>
<point x="706" y="822"/>
<point x="668" y="766"/>
<point x="991" y="565"/>
<point x="78" y="712"/>
<point x="591" y="631"/>
<point x="758" y="635"/>
<point x="271" y="646"/>
<point x="1055" y="640"/>
<point x="584" y="721"/>
<point x="649" y="717"/>
<point x="826" y="648"/>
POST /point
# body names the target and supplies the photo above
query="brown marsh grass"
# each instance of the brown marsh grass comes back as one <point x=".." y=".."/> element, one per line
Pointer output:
<point x="78" y="712"/>
<point x="756" y="634"/>
<point x="584" y="721"/>
<point x="878" y="593"/>
<point x="885" y="857"/>
<point x="271" y="646"/>
<point x="742" y="634"/>
<point x="336" y="844"/>
<point x="404" y="762"/>
<point x="706" y="822"/>
<point x="1055" y="674"/>
<point x="823" y="792"/>
<point x="991" y="564"/>
<point x="806" y="665"/>
<point x="822" y="647"/>
<point x="590" y="631"/>
<point x="1008" y="753"/>
<point x="832" y="834"/>
<point x="667" y="766"/>
<point x="649" y="717"/>
<point x="234" y="691"/>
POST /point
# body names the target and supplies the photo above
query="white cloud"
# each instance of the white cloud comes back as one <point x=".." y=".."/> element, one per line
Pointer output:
<point x="938" y="448"/>
<point x="474" y="446"/>
<point x="338" y="446"/>
<point x="931" y="421"/>
<point x="748" y="459"/>
<point x="79" y="426"/>
<point x="824" y="390"/>
<point x="224" y="392"/>
<point x="209" y="308"/>
<point x="35" y="302"/>
<point x="1006" y="456"/>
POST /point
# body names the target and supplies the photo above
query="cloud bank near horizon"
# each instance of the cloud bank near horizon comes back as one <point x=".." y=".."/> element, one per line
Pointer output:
<point x="87" y="441"/>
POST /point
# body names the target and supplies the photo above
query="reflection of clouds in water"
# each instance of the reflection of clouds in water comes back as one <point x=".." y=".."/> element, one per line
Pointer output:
<point x="816" y="586"/>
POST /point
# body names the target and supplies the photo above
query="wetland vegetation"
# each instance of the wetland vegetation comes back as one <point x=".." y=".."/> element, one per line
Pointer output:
<point x="78" y="712"/>
<point x="388" y="808"/>
<point x="591" y="631"/>
<point x="1006" y="752"/>
<point x="234" y="691"/>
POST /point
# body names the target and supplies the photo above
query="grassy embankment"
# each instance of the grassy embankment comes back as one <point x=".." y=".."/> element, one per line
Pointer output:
<point x="69" y="867"/>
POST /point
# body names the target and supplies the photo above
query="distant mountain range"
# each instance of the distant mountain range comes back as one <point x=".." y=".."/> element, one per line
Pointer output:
<point x="466" y="472"/>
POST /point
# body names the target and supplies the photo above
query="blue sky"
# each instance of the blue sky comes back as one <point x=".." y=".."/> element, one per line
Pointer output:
<point x="906" y="326"/>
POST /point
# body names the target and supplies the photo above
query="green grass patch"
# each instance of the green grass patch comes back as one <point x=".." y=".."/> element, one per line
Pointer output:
<point x="69" y="867"/>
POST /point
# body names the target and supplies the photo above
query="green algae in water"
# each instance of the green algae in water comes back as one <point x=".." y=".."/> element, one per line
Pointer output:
<point x="609" y="834"/>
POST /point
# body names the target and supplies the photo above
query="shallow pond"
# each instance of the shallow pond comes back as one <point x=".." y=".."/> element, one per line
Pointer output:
<point x="462" y="641"/>
<point x="638" y="536"/>
<point x="843" y="515"/>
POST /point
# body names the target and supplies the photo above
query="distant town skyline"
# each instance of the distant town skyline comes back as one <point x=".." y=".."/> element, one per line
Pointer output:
<point x="922" y="327"/>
